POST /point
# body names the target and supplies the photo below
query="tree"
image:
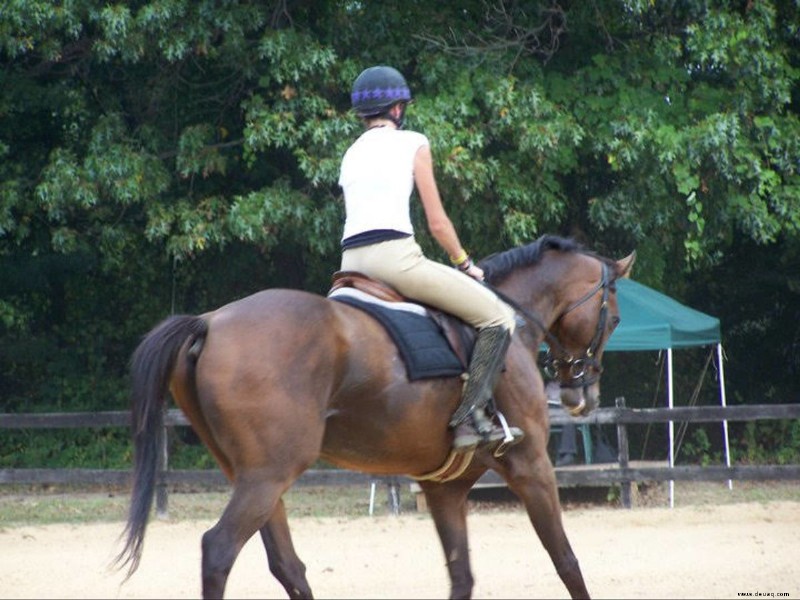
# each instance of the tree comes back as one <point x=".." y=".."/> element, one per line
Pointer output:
<point x="172" y="155"/>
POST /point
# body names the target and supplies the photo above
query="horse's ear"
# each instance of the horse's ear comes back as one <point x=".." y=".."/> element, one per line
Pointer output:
<point x="624" y="265"/>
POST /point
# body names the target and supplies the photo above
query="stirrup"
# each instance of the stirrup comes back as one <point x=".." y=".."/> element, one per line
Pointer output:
<point x="512" y="435"/>
<point x="481" y="431"/>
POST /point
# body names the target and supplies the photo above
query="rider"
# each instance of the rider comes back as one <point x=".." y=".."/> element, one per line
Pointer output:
<point x="378" y="173"/>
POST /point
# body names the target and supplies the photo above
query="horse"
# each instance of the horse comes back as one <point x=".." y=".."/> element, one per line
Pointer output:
<point x="278" y="380"/>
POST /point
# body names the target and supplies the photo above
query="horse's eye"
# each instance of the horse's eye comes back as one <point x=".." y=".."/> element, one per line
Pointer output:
<point x="615" y="320"/>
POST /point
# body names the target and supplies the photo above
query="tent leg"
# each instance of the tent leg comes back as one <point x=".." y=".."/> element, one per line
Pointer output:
<point x="723" y="402"/>
<point x="671" y="403"/>
<point x="372" y="485"/>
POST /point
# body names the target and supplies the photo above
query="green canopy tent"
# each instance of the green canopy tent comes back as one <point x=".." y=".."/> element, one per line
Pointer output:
<point x="654" y="321"/>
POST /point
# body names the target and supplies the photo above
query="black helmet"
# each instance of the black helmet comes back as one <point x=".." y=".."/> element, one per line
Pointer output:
<point x="377" y="89"/>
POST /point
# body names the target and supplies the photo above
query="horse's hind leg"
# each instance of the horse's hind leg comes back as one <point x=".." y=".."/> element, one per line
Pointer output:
<point x="536" y="486"/>
<point x="254" y="499"/>
<point x="447" y="503"/>
<point x="284" y="563"/>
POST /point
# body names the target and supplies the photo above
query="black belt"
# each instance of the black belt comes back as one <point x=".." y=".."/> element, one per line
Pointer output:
<point x="373" y="236"/>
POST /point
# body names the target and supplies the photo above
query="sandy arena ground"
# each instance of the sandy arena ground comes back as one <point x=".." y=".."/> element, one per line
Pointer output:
<point x="687" y="552"/>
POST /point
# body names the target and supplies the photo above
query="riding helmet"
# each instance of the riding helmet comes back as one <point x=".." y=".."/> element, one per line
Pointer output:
<point x="376" y="89"/>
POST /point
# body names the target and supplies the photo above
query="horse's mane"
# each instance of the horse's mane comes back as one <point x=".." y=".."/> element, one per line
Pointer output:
<point x="497" y="266"/>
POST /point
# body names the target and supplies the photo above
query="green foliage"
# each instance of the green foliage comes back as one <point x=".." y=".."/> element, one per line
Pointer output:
<point x="698" y="449"/>
<point x="681" y="121"/>
<point x="769" y="442"/>
<point x="94" y="449"/>
<point x="167" y="156"/>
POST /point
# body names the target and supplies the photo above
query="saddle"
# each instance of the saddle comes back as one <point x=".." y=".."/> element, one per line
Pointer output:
<point x="459" y="335"/>
<point x="366" y="284"/>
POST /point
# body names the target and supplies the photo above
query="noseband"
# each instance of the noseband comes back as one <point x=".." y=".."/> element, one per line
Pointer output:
<point x="583" y="370"/>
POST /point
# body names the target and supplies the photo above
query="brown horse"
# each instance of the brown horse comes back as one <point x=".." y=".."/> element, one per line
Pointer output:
<point x="275" y="381"/>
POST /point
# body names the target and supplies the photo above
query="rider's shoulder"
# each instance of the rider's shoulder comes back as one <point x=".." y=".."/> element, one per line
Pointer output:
<point x="414" y="138"/>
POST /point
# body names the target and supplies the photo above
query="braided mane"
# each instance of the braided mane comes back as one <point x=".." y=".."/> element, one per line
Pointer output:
<point x="498" y="266"/>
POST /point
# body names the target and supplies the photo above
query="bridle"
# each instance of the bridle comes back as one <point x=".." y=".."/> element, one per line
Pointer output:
<point x="584" y="370"/>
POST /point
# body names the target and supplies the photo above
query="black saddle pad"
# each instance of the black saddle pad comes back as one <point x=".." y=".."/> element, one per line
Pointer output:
<point x="422" y="345"/>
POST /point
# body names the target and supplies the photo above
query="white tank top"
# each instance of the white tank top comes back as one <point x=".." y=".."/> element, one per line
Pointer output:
<point x="377" y="177"/>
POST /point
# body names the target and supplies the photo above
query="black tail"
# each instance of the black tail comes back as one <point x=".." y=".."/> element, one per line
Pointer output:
<point x="151" y="366"/>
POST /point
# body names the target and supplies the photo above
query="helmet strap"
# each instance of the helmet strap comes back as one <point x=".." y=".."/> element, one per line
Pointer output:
<point x="397" y="116"/>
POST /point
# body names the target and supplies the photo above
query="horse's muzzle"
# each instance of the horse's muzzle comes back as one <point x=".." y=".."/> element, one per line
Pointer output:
<point x="580" y="402"/>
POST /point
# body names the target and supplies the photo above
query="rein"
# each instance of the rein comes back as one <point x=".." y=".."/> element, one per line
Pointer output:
<point x="578" y="367"/>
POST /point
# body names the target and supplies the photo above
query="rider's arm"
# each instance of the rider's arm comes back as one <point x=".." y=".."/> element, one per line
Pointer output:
<point x="439" y="224"/>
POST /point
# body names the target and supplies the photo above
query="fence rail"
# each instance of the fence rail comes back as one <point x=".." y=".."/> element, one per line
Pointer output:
<point x="623" y="473"/>
<point x="213" y="477"/>
<point x="689" y="414"/>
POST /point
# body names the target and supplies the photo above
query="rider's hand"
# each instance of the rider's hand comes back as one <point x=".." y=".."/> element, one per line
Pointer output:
<point x="475" y="272"/>
<point x="470" y="268"/>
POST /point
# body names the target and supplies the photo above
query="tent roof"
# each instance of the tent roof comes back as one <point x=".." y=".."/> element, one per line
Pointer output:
<point x="654" y="321"/>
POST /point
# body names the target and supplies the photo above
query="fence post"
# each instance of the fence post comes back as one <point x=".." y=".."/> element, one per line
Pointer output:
<point x="163" y="463"/>
<point x="623" y="454"/>
<point x="394" y="495"/>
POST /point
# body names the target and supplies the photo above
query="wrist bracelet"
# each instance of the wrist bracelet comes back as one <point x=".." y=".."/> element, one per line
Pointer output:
<point x="465" y="265"/>
<point x="460" y="259"/>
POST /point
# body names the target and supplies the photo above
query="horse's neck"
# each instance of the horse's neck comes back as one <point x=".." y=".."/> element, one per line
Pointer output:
<point x="541" y="296"/>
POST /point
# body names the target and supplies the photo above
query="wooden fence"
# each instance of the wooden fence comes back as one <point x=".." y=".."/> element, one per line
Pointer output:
<point x="623" y="473"/>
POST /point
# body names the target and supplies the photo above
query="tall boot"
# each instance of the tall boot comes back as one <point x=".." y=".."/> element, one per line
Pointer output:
<point x="472" y="425"/>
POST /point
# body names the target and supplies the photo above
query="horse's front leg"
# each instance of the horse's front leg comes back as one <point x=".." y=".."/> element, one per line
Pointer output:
<point x="532" y="478"/>
<point x="284" y="564"/>
<point x="447" y="503"/>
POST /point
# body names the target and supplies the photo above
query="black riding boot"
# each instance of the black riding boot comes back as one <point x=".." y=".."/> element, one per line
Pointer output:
<point x="472" y="425"/>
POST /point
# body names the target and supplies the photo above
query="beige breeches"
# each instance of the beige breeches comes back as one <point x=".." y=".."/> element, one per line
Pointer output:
<point x="402" y="265"/>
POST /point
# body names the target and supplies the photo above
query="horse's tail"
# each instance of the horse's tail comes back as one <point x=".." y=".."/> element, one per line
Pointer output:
<point x="152" y="364"/>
